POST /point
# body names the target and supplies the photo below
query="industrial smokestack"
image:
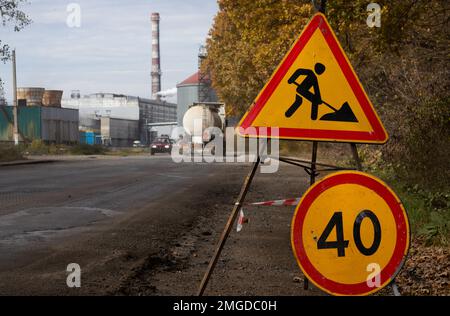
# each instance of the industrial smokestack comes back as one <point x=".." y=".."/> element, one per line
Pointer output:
<point x="156" y="61"/>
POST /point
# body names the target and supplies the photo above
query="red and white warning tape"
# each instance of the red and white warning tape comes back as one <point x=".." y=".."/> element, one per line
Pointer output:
<point x="287" y="202"/>
<point x="241" y="221"/>
<point x="244" y="220"/>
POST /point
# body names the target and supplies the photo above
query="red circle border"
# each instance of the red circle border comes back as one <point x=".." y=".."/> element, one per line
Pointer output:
<point x="395" y="263"/>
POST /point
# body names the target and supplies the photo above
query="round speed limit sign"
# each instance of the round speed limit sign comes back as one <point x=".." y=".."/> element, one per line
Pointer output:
<point x="350" y="234"/>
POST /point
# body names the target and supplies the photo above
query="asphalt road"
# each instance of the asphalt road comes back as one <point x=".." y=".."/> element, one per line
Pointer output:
<point x="148" y="226"/>
<point x="46" y="206"/>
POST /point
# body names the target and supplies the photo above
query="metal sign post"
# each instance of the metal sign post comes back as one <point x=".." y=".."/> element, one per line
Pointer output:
<point x="313" y="174"/>
<point x="16" y="126"/>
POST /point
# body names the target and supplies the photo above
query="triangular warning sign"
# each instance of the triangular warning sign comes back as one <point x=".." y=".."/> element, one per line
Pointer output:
<point x="315" y="95"/>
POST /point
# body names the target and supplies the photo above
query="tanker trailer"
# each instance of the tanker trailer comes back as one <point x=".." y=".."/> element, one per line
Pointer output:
<point x="200" y="121"/>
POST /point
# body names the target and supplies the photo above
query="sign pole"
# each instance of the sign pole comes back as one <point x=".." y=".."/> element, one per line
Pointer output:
<point x="16" y="128"/>
<point x="313" y="174"/>
<point x="237" y="207"/>
<point x="322" y="9"/>
<point x="356" y="156"/>
<point x="313" y="163"/>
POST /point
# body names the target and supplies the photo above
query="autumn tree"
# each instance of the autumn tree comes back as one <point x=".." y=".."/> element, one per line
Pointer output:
<point x="402" y="65"/>
<point x="246" y="43"/>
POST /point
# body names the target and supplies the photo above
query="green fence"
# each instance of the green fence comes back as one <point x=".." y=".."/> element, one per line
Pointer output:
<point x="29" y="123"/>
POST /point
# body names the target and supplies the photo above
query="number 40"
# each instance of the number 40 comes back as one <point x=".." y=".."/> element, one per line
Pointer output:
<point x="340" y="244"/>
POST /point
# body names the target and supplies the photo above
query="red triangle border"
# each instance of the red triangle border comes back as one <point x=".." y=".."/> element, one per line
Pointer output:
<point x="378" y="135"/>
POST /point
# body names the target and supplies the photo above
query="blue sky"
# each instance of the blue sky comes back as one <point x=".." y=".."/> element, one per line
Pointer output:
<point x="111" y="51"/>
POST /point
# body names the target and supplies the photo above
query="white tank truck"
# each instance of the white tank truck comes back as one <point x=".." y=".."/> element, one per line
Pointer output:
<point x="200" y="121"/>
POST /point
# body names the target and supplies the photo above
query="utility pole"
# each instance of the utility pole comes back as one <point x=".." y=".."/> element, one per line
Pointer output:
<point x="16" y="127"/>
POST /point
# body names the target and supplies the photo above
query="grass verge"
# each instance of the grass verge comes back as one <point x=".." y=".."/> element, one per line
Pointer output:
<point x="83" y="149"/>
<point x="428" y="208"/>
<point x="10" y="153"/>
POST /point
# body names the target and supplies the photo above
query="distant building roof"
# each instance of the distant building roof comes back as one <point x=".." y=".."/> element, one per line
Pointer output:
<point x="112" y="96"/>
<point x="194" y="79"/>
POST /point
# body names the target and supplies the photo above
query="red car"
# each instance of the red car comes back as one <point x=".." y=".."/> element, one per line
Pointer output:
<point x="161" y="145"/>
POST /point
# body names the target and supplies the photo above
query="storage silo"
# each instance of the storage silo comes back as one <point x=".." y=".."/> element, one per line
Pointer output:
<point x="33" y="96"/>
<point x="188" y="94"/>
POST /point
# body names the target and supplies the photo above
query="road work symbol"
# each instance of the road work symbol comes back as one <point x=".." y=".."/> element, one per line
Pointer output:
<point x="345" y="114"/>
<point x="315" y="95"/>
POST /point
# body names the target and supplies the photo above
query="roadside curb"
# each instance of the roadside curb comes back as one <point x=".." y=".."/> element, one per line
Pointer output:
<point x="25" y="162"/>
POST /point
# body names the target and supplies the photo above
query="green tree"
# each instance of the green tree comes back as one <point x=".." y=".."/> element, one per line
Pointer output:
<point x="11" y="15"/>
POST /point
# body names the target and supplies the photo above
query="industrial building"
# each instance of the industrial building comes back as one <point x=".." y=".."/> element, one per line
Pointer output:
<point x="40" y="117"/>
<point x="104" y="118"/>
<point x="134" y="112"/>
<point x="119" y="120"/>
<point x="52" y="125"/>
<point x="119" y="133"/>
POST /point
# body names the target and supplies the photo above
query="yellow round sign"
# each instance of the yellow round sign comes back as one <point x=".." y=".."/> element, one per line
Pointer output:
<point x="350" y="234"/>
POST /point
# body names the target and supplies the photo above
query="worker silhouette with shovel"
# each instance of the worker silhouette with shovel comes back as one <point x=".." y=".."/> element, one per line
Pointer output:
<point x="344" y="114"/>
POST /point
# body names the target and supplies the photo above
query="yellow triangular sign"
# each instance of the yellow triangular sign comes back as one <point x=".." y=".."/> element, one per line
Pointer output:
<point x="315" y="95"/>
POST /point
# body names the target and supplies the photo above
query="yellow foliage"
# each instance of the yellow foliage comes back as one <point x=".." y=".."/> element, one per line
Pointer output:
<point x="248" y="40"/>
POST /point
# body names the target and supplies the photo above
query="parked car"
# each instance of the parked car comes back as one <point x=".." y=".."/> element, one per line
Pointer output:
<point x="161" y="145"/>
<point x="137" y="144"/>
